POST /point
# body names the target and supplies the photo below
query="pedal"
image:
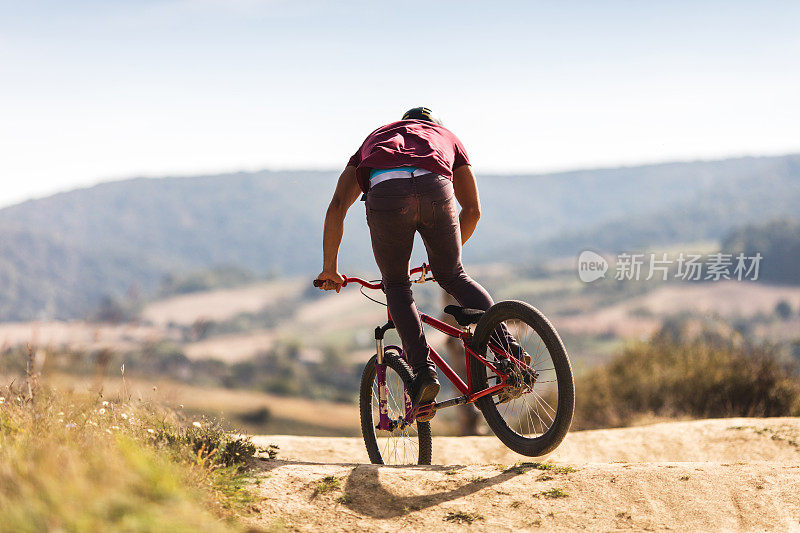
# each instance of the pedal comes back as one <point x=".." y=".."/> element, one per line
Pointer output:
<point x="425" y="412"/>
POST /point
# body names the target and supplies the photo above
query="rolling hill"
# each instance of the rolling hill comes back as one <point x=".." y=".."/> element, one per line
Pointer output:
<point x="61" y="255"/>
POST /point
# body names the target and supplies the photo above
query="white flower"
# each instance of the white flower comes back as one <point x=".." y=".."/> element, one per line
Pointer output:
<point x="150" y="431"/>
<point x="197" y="424"/>
<point x="124" y="416"/>
<point x="71" y="425"/>
<point x="2" y="400"/>
<point x="114" y="427"/>
<point x="105" y="403"/>
<point x="102" y="411"/>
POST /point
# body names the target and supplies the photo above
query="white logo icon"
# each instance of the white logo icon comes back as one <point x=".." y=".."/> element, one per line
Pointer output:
<point x="591" y="266"/>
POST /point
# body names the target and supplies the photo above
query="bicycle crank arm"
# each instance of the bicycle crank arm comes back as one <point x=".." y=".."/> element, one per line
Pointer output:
<point x="451" y="402"/>
<point x="429" y="408"/>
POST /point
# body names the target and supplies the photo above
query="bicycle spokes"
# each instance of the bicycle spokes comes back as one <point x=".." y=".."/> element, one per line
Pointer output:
<point x="397" y="438"/>
<point x="529" y="402"/>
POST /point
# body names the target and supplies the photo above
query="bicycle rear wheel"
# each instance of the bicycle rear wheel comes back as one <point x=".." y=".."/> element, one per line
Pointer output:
<point x="534" y="415"/>
<point x="406" y="444"/>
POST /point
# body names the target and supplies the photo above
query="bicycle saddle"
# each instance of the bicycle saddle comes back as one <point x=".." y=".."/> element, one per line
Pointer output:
<point x="464" y="316"/>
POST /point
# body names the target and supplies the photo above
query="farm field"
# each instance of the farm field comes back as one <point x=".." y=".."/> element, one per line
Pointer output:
<point x="346" y="320"/>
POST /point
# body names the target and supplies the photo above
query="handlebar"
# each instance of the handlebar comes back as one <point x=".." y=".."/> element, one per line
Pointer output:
<point x="424" y="269"/>
<point x="318" y="283"/>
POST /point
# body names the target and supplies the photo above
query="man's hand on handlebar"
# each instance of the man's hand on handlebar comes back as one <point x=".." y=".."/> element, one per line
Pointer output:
<point x="329" y="281"/>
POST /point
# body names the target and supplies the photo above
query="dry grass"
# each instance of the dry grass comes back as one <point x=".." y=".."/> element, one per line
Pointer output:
<point x="463" y="517"/>
<point x="521" y="468"/>
<point x="79" y="462"/>
<point x="554" y="493"/>
<point x="287" y="414"/>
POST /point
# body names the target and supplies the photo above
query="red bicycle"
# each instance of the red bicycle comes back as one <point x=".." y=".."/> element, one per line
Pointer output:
<point x="527" y="396"/>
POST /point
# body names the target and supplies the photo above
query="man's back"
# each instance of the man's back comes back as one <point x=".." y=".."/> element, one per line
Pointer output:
<point x="412" y="143"/>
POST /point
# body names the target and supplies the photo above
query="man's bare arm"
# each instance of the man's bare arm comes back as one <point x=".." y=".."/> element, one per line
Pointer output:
<point x="466" y="189"/>
<point x="346" y="193"/>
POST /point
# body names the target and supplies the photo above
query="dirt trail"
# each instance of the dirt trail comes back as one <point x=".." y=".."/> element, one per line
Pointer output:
<point x="729" y="474"/>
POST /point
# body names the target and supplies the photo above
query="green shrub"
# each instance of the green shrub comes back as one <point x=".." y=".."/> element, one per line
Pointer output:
<point x="680" y="375"/>
<point x="205" y="440"/>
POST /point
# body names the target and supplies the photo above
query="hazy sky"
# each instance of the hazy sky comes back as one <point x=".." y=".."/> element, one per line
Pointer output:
<point x="98" y="90"/>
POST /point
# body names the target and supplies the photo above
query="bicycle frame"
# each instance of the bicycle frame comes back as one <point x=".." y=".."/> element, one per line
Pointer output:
<point x="469" y="395"/>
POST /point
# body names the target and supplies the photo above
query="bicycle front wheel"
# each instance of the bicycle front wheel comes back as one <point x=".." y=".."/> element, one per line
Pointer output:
<point x="533" y="415"/>
<point x="405" y="443"/>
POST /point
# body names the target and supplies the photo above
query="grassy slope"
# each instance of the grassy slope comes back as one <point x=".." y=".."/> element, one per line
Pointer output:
<point x="76" y="462"/>
<point x="287" y="415"/>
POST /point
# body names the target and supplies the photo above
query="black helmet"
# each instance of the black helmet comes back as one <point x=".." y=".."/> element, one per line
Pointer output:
<point x="421" y="113"/>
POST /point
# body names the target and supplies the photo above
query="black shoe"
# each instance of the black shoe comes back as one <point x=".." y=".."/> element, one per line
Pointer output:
<point x="424" y="390"/>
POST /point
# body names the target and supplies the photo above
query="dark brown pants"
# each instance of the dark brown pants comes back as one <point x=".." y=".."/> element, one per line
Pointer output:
<point x="396" y="210"/>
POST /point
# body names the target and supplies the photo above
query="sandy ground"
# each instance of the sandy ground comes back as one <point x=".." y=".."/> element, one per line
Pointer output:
<point x="710" y="475"/>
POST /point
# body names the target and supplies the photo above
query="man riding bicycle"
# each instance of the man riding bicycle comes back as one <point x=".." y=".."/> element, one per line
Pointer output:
<point x="413" y="172"/>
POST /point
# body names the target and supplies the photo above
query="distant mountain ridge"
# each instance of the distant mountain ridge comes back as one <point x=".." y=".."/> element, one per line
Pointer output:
<point x="61" y="254"/>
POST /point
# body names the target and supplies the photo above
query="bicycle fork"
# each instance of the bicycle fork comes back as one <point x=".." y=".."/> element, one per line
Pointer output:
<point x="386" y="423"/>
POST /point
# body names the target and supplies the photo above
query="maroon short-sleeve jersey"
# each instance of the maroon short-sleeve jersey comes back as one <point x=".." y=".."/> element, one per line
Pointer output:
<point x="409" y="143"/>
